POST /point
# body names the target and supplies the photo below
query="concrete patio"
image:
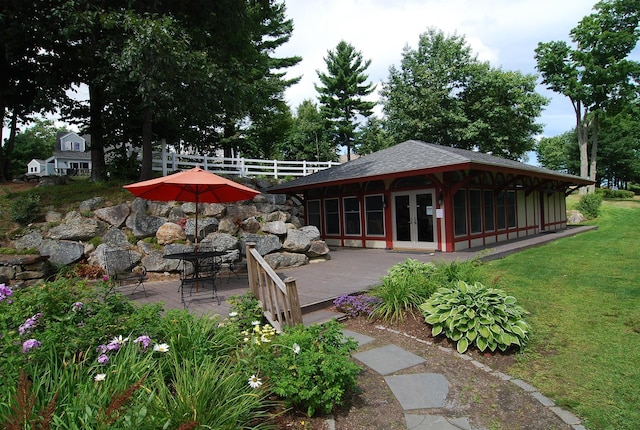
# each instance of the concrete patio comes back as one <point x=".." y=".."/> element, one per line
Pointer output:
<point x="350" y="270"/>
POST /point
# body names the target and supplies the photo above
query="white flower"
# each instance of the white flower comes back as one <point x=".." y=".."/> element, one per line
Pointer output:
<point x="119" y="340"/>
<point x="296" y="348"/>
<point x="264" y="339"/>
<point x="99" y="377"/>
<point x="256" y="322"/>
<point x="161" y="347"/>
<point x="233" y="314"/>
<point x="255" y="382"/>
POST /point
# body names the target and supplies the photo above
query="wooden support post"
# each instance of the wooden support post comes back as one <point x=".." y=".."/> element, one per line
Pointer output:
<point x="293" y="301"/>
<point x="252" y="271"/>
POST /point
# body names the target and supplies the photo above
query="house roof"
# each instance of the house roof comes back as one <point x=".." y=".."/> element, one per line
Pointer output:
<point x="71" y="155"/>
<point x="414" y="157"/>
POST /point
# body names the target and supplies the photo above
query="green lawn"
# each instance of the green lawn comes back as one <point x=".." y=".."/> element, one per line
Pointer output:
<point x="583" y="294"/>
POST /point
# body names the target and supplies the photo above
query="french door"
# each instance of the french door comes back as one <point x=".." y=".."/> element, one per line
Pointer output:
<point x="414" y="220"/>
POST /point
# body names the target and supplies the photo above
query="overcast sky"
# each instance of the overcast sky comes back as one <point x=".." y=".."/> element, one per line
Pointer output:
<point x="503" y="32"/>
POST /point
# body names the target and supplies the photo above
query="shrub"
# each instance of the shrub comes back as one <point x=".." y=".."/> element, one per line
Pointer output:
<point x="25" y="210"/>
<point x="354" y="305"/>
<point x="616" y="194"/>
<point x="311" y="367"/>
<point x="404" y="287"/>
<point x="589" y="205"/>
<point x="476" y="314"/>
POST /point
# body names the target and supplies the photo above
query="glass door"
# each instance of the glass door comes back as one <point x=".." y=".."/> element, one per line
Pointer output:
<point x="414" y="220"/>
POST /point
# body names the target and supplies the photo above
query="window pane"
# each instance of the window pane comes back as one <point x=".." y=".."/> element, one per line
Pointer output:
<point x="331" y="216"/>
<point x="351" y="215"/>
<point x="375" y="215"/>
<point x="489" y="217"/>
<point x="475" y="210"/>
<point x="313" y="213"/>
<point x="511" y="208"/>
<point x="460" y="213"/>
<point x="500" y="209"/>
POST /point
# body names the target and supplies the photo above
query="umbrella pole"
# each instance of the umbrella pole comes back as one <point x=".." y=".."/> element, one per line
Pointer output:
<point x="196" y="233"/>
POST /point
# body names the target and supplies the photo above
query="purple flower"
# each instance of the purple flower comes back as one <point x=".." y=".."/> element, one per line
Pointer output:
<point x="5" y="292"/>
<point x="77" y="306"/>
<point x="102" y="349"/>
<point x="102" y="359"/>
<point x="143" y="340"/>
<point x="29" y="324"/>
<point x="30" y="344"/>
<point x="113" y="346"/>
<point x="105" y="278"/>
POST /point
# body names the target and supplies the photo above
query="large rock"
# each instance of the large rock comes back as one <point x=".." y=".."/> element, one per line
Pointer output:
<point x="275" y="199"/>
<point x="160" y="209"/>
<point x="213" y="209"/>
<point x="575" y="217"/>
<point x="28" y="241"/>
<point x="114" y="215"/>
<point x="265" y="243"/>
<point x="78" y="228"/>
<point x="61" y="252"/>
<point x="115" y="237"/>
<point x="221" y="241"/>
<point x="205" y="226"/>
<point x="311" y="231"/>
<point x="143" y="225"/>
<point x="53" y="216"/>
<point x="91" y="204"/>
<point x="239" y="213"/>
<point x="251" y="225"/>
<point x="317" y="248"/>
<point x="275" y="227"/>
<point x="170" y="232"/>
<point x="154" y="262"/>
<point x="278" y="216"/>
<point x="227" y="225"/>
<point x="285" y="259"/>
<point x="296" y="241"/>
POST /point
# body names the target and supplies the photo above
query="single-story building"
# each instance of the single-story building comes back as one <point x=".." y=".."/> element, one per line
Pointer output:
<point x="69" y="157"/>
<point x="422" y="196"/>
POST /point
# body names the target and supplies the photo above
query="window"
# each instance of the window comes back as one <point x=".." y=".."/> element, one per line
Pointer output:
<point x="351" y="216"/>
<point x="460" y="213"/>
<point x="374" y="209"/>
<point x="475" y="211"/>
<point x="331" y="216"/>
<point x="313" y="213"/>
<point x="511" y="209"/>
<point x="76" y="146"/>
<point x="489" y="215"/>
<point x="500" y="210"/>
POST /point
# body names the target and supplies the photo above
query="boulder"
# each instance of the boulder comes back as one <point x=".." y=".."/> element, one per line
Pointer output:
<point x="91" y="204"/>
<point x="251" y="225"/>
<point x="278" y="216"/>
<point x="189" y="208"/>
<point x="213" y="209"/>
<point x="170" y="232"/>
<point x="239" y="213"/>
<point x="53" y="216"/>
<point x="29" y="241"/>
<point x="317" y="248"/>
<point x="76" y="228"/>
<point x="296" y="241"/>
<point x="575" y="217"/>
<point x="227" y="225"/>
<point x="275" y="199"/>
<point x="265" y="243"/>
<point x="275" y="227"/>
<point x="143" y="225"/>
<point x="114" y="215"/>
<point x="285" y="259"/>
<point x="61" y="252"/>
<point x="115" y="237"/>
<point x="220" y="241"/>
<point x="160" y="209"/>
<point x="311" y="231"/>
<point x="205" y="225"/>
<point x="154" y="262"/>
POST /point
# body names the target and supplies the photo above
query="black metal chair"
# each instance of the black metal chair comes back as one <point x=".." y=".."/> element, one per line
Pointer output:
<point x="125" y="273"/>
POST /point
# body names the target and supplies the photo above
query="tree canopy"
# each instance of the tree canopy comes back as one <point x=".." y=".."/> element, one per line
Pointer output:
<point x="595" y="74"/>
<point x="442" y="94"/>
<point x="342" y="92"/>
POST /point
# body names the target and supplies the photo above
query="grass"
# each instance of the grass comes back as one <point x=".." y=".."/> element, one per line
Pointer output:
<point x="584" y="299"/>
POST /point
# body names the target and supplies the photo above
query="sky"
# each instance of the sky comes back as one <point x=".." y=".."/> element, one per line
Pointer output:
<point x="502" y="32"/>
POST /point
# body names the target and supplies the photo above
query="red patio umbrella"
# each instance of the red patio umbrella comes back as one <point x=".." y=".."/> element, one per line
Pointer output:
<point x="194" y="185"/>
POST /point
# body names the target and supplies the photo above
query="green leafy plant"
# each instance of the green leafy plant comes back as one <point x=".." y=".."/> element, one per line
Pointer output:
<point x="24" y="210"/>
<point x="589" y="205"/>
<point x="404" y="287"/>
<point x="310" y="367"/>
<point x="476" y="314"/>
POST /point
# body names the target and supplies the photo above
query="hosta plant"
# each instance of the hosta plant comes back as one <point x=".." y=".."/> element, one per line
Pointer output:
<point x="474" y="314"/>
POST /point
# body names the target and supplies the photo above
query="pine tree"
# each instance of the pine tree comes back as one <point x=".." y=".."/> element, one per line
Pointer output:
<point x="342" y="91"/>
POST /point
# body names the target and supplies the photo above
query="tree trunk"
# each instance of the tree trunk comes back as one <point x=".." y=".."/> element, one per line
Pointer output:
<point x="582" y="129"/>
<point x="593" y="171"/>
<point x="146" y="170"/>
<point x="96" y="130"/>
<point x="8" y="148"/>
<point x="2" y="114"/>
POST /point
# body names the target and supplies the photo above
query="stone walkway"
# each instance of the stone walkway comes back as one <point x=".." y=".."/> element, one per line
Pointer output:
<point x="392" y="362"/>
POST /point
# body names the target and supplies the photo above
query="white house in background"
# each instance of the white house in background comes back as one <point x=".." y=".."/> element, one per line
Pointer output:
<point x="70" y="157"/>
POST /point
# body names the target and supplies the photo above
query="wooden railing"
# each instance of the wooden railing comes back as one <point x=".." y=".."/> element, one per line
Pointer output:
<point x="278" y="299"/>
<point x="169" y="162"/>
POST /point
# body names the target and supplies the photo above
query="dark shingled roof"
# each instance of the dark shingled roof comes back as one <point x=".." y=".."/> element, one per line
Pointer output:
<point x="415" y="155"/>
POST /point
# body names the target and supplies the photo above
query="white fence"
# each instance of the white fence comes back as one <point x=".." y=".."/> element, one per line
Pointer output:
<point x="169" y="162"/>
